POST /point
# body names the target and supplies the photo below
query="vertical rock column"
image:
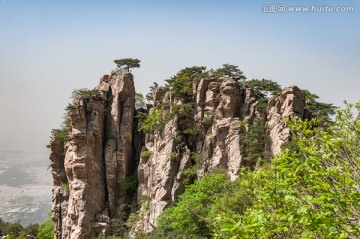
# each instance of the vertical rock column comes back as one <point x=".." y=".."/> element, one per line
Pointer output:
<point x="161" y="174"/>
<point x="84" y="167"/>
<point x="119" y="162"/>
<point x="60" y="194"/>
<point x="89" y="169"/>
<point x="221" y="104"/>
<point x="289" y="104"/>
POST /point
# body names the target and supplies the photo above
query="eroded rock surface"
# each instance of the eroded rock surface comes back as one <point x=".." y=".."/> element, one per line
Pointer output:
<point x="90" y="168"/>
<point x="220" y="105"/>
<point x="289" y="104"/>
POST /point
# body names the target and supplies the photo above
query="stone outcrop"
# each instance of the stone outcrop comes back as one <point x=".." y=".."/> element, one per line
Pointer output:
<point x="289" y="104"/>
<point x="220" y="105"/>
<point x="91" y="169"/>
<point x="220" y="108"/>
<point x="98" y="157"/>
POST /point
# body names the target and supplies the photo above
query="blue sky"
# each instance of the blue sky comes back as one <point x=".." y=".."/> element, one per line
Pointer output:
<point x="49" y="48"/>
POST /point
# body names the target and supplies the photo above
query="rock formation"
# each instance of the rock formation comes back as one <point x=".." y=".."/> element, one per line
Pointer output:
<point x="90" y="169"/>
<point x="98" y="157"/>
<point x="289" y="104"/>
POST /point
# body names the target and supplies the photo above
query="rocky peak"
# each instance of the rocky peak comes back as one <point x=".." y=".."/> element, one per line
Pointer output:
<point x="96" y="159"/>
<point x="92" y="168"/>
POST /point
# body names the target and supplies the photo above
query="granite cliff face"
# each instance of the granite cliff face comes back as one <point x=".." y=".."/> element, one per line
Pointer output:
<point x="89" y="169"/>
<point x="103" y="152"/>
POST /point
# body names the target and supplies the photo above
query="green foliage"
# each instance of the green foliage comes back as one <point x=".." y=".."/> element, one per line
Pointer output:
<point x="253" y="141"/>
<point x="46" y="230"/>
<point x="16" y="231"/>
<point x="190" y="172"/>
<point x="322" y="111"/>
<point x="139" y="101"/>
<point x="127" y="63"/>
<point x="32" y="230"/>
<point x="151" y="122"/>
<point x="173" y="155"/>
<point x="181" y="109"/>
<point x="130" y="183"/>
<point x="69" y="107"/>
<point x="85" y="93"/>
<point x="146" y="154"/>
<point x="264" y="88"/>
<point x="13" y="230"/>
<point x="168" y="235"/>
<point x="61" y="134"/>
<point x="65" y="186"/>
<point x="153" y="88"/>
<point x="228" y="70"/>
<point x="181" y="84"/>
<point x="207" y="120"/>
<point x="190" y="214"/>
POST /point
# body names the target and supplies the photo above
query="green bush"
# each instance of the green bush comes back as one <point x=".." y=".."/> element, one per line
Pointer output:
<point x="65" y="186"/>
<point x="253" y="141"/>
<point x="46" y="230"/>
<point x="151" y="122"/>
<point x="15" y="230"/>
<point x="173" y="155"/>
<point x="146" y="154"/>
<point x="62" y="134"/>
<point x="85" y="93"/>
<point x="188" y="217"/>
<point x="130" y="183"/>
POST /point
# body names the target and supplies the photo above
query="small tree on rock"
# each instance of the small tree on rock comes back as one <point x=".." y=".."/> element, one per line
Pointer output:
<point x="127" y="63"/>
<point x="139" y="101"/>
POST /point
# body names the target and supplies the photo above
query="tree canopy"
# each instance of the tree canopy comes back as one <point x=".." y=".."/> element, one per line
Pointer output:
<point x="139" y="101"/>
<point x="228" y="70"/>
<point x="320" y="110"/>
<point x="127" y="63"/>
<point x="264" y="88"/>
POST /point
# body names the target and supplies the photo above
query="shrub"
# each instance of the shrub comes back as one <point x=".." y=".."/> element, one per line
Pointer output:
<point x="65" y="186"/>
<point x="130" y="183"/>
<point x="189" y="215"/>
<point x="253" y="141"/>
<point x="146" y="154"/>
<point x="85" y="93"/>
<point x="173" y="155"/>
<point x="151" y="122"/>
<point x="46" y="230"/>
